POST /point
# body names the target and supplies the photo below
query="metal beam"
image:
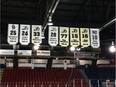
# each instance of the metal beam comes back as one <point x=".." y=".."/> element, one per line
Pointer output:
<point x="80" y="9"/>
<point x="108" y="24"/>
<point x="50" y="12"/>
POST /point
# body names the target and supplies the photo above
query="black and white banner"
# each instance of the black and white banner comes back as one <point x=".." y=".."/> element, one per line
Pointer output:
<point x="64" y="36"/>
<point x="36" y="34"/>
<point x="53" y="35"/>
<point x="74" y="37"/>
<point x="24" y="34"/>
<point x="13" y="34"/>
<point x="85" y="37"/>
<point x="95" y="41"/>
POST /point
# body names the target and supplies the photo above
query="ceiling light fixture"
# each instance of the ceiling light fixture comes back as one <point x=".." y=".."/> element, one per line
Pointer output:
<point x="50" y="21"/>
<point x="72" y="48"/>
<point x="36" y="47"/>
<point x="112" y="48"/>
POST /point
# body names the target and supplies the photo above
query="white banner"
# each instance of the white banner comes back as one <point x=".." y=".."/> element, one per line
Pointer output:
<point x="24" y="34"/>
<point x="6" y="52"/>
<point x="95" y="41"/>
<point x="74" y="37"/>
<point x="43" y="53"/>
<point x="24" y="52"/>
<point x="53" y="35"/>
<point x="13" y="34"/>
<point x="36" y="34"/>
<point x="85" y="37"/>
<point x="64" y="36"/>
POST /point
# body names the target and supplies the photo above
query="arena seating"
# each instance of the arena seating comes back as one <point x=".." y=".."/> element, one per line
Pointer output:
<point x="41" y="77"/>
<point x="101" y="74"/>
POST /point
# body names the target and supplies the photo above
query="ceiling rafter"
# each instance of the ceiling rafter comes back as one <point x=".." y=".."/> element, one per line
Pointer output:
<point x="80" y="9"/>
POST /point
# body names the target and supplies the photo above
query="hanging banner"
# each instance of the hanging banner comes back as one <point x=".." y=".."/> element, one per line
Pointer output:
<point x="36" y="34"/>
<point x="85" y="37"/>
<point x="24" y="34"/>
<point x="74" y="37"/>
<point x="53" y="35"/>
<point x="64" y="36"/>
<point x="95" y="41"/>
<point x="12" y="38"/>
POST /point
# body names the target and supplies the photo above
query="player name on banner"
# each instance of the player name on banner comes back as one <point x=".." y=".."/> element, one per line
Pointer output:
<point x="12" y="34"/>
<point x="64" y="36"/>
<point x="85" y="37"/>
<point x="36" y="34"/>
<point x="74" y="37"/>
<point x="95" y="42"/>
<point x="24" y="34"/>
<point x="53" y="35"/>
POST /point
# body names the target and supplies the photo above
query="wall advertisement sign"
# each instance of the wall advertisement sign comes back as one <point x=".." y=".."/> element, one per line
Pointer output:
<point x="24" y="52"/>
<point x="43" y="53"/>
<point x="6" y="52"/>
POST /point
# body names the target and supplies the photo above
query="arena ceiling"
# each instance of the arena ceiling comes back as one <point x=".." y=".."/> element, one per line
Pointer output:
<point x="71" y="13"/>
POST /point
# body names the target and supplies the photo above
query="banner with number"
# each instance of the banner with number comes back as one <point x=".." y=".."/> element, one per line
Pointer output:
<point x="36" y="34"/>
<point x="64" y="36"/>
<point x="74" y="37"/>
<point x="13" y="34"/>
<point x="53" y="35"/>
<point x="85" y="37"/>
<point x="24" y="34"/>
<point x="95" y="41"/>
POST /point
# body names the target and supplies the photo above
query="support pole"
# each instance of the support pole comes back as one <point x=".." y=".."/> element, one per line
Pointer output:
<point x="89" y="83"/>
<point x="15" y="58"/>
<point x="98" y="83"/>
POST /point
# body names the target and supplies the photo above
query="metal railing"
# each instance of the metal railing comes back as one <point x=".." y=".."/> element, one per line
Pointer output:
<point x="70" y="83"/>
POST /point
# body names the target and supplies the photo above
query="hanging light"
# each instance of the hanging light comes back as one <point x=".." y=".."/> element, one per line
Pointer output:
<point x="50" y="21"/>
<point x="72" y="48"/>
<point x="112" y="48"/>
<point x="78" y="49"/>
<point x="36" y="47"/>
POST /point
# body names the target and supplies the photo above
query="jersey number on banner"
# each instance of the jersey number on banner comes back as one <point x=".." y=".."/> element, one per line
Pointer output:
<point x="85" y="37"/>
<point x="24" y="34"/>
<point x="13" y="34"/>
<point x="53" y="35"/>
<point x="74" y="37"/>
<point x="95" y="42"/>
<point x="64" y="36"/>
<point x="36" y="34"/>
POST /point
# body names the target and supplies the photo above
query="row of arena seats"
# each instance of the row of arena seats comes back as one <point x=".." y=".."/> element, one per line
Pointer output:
<point x="42" y="77"/>
<point x="101" y="74"/>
